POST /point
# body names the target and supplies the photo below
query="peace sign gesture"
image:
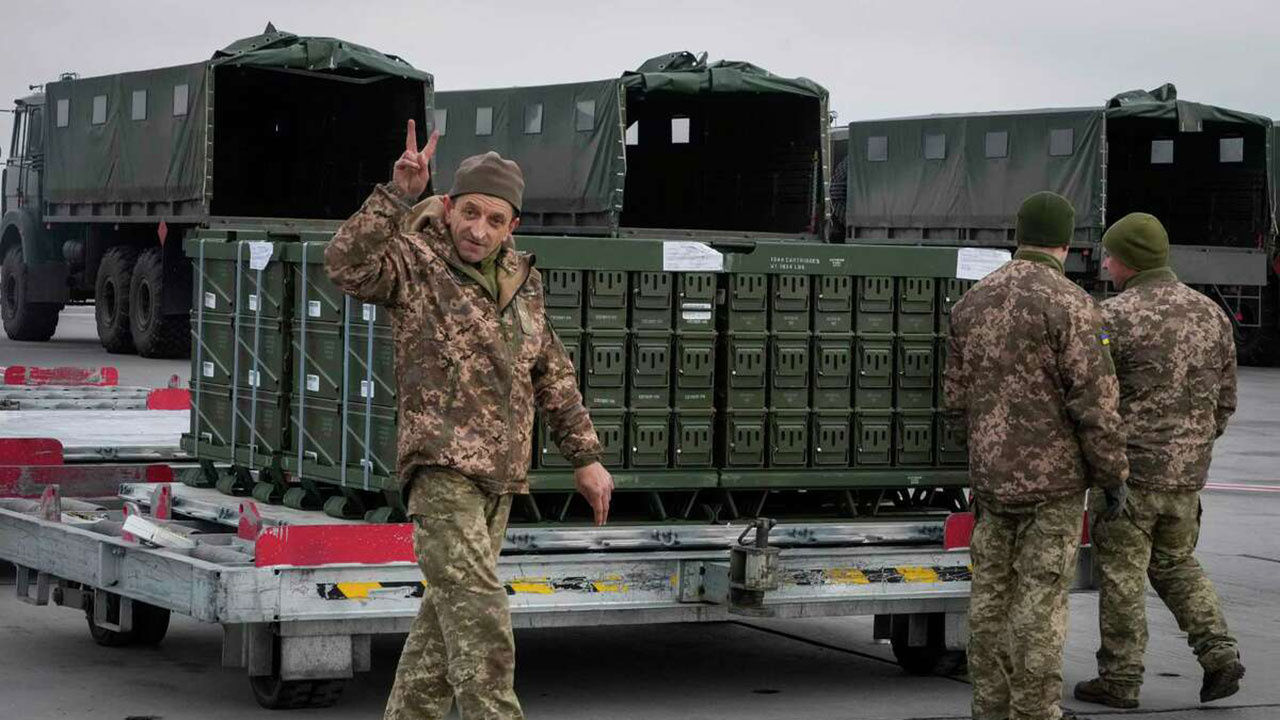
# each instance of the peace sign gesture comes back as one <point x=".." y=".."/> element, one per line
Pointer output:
<point x="412" y="171"/>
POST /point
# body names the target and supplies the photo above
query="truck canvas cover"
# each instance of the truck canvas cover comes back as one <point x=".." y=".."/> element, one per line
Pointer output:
<point x="678" y="143"/>
<point x="145" y="136"/>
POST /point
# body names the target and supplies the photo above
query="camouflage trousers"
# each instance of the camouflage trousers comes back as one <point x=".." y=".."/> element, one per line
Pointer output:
<point x="1155" y="539"/>
<point x="460" y="645"/>
<point x="1024" y="559"/>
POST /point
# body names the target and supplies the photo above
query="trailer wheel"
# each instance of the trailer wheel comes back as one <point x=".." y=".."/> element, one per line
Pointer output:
<point x="34" y="322"/>
<point x="933" y="658"/>
<point x="111" y="299"/>
<point x="150" y="625"/>
<point x="155" y="334"/>
<point x="275" y="694"/>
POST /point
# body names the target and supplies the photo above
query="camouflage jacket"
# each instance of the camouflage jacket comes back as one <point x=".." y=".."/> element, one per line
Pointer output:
<point x="1028" y="369"/>
<point x="1176" y="360"/>
<point x="470" y="367"/>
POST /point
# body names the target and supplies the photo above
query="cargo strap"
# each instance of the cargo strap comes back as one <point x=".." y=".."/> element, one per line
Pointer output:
<point x="255" y="379"/>
<point x="235" y="356"/>
<point x="302" y="362"/>
<point x="346" y="382"/>
<point x="371" y="313"/>
<point x="199" y="368"/>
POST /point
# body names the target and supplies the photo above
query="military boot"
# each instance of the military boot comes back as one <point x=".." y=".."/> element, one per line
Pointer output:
<point x="1100" y="692"/>
<point x="1223" y="681"/>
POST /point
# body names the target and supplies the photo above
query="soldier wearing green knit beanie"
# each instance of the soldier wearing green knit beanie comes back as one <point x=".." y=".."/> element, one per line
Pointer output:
<point x="1136" y="243"/>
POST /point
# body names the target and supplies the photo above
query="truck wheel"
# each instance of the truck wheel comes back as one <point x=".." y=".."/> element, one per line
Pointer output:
<point x="155" y="334"/>
<point x="35" y="322"/>
<point x="150" y="625"/>
<point x="111" y="299"/>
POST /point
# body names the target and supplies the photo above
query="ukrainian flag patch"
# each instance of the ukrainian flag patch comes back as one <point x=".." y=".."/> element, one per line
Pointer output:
<point x="1104" y="337"/>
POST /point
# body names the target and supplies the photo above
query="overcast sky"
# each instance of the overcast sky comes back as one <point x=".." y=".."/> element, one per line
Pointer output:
<point x="878" y="58"/>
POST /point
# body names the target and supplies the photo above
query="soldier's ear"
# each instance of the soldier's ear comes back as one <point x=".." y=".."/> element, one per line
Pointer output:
<point x="448" y="204"/>
<point x="515" y="223"/>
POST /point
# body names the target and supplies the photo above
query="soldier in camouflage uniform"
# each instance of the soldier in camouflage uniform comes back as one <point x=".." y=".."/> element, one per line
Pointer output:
<point x="474" y="356"/>
<point x="1029" y="374"/>
<point x="1176" y="361"/>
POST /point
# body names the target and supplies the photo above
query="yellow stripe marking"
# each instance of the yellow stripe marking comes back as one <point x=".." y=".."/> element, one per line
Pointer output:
<point x="847" y="576"/>
<point x="612" y="583"/>
<point x="357" y="590"/>
<point x="536" y="586"/>
<point x="918" y="574"/>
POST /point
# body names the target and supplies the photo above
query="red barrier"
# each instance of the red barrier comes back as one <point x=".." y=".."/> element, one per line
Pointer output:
<point x="27" y="375"/>
<point x="957" y="531"/>
<point x="30" y="451"/>
<point x="169" y="399"/>
<point x="309" y="545"/>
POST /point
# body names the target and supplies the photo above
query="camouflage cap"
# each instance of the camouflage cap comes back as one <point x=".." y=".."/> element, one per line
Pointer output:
<point x="1139" y="241"/>
<point x="1046" y="219"/>
<point x="489" y="174"/>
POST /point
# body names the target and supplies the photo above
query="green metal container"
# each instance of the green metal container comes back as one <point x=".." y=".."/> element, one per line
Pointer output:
<point x="788" y="438"/>
<point x="316" y="298"/>
<point x="649" y="439"/>
<point x="606" y="300"/>
<point x="371" y="369"/>
<point x="789" y="303"/>
<point x="610" y="428"/>
<point x="562" y="296"/>
<point x="212" y="357"/>
<point x="875" y="302"/>
<point x="605" y="373"/>
<point x="264" y="353"/>
<point x="915" y="438"/>
<point x="916" y="371"/>
<point x="572" y="342"/>
<point x="789" y="366"/>
<point x="742" y="440"/>
<point x="695" y="378"/>
<point x="318" y="362"/>
<point x="950" y="291"/>
<point x="213" y="282"/>
<point x="694" y="438"/>
<point x="873" y="383"/>
<point x="695" y="302"/>
<point x="258" y="426"/>
<point x="916" y="305"/>
<point x="833" y="305"/>
<point x="833" y="371"/>
<point x="873" y="438"/>
<point x="830" y="438"/>
<point x="951" y="436"/>
<point x="748" y="303"/>
<point x="651" y="301"/>
<point x="368" y="456"/>
<point x="743" y="369"/>
<point x="650" y="374"/>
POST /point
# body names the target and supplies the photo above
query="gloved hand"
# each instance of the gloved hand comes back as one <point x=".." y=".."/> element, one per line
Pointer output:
<point x="1115" y="498"/>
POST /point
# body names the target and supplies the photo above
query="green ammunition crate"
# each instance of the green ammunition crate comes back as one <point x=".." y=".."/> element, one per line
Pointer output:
<point x="362" y="314"/>
<point x="788" y="438"/>
<point x="316" y="298"/>
<point x="605" y="379"/>
<point x="915" y="437"/>
<point x="695" y="361"/>
<point x="370" y="439"/>
<point x="610" y="428"/>
<point x="694" y="436"/>
<point x="317" y="369"/>
<point x="832" y="371"/>
<point x="742" y="439"/>
<point x="748" y="303"/>
<point x="916" y="371"/>
<point x="695" y="302"/>
<point x="562" y="296"/>
<point x="950" y="291"/>
<point x="789" y="366"/>
<point x="572" y="342"/>
<point x="215" y="359"/>
<point x="951" y="436"/>
<point x="649" y="439"/>
<point x="830" y="438"/>
<point x="833" y="306"/>
<point x="607" y="299"/>
<point x="266" y="419"/>
<point x="872" y="438"/>
<point x="915" y="305"/>
<point x="875" y="305"/>
<point x="264" y="293"/>
<point x="372" y="366"/>
<point x="213" y="282"/>
<point x="651" y="295"/>
<point x="789" y="303"/>
<point x="650" y="375"/>
<point x="873" y="384"/>
<point x="744" y="364"/>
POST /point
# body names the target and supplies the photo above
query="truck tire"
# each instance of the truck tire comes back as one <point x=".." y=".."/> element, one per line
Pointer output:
<point x="33" y="322"/>
<point x="111" y="299"/>
<point x="155" y="334"/>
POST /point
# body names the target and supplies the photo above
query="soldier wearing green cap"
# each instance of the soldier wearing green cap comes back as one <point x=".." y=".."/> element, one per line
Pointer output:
<point x="1176" y="361"/>
<point x="1029" y="375"/>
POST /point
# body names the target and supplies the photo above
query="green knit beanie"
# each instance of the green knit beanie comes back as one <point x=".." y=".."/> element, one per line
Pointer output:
<point x="489" y="174"/>
<point x="1046" y="219"/>
<point x="1139" y="241"/>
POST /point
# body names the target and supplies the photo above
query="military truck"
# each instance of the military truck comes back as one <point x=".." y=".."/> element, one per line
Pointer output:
<point x="107" y="175"/>
<point x="1205" y="171"/>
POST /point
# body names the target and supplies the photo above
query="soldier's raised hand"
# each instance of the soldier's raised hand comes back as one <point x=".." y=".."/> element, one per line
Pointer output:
<point x="412" y="171"/>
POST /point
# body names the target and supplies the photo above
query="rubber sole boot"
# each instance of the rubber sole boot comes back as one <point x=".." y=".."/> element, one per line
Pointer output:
<point x="1222" y="682"/>
<point x="1097" y="692"/>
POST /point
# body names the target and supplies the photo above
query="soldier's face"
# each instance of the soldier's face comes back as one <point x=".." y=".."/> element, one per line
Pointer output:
<point x="479" y="224"/>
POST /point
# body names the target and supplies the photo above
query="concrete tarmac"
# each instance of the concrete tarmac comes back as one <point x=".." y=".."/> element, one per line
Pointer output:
<point x="793" y="670"/>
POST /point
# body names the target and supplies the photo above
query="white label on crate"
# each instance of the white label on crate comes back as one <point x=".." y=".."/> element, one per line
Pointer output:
<point x="369" y="312"/>
<point x="206" y="369"/>
<point x="366" y="389"/>
<point x="253" y="378"/>
<point x="259" y="255"/>
<point x="696" y="315"/>
<point x="688" y="256"/>
<point x="313" y="383"/>
<point x="211" y="301"/>
<point x="313" y="308"/>
<point x="253" y="303"/>
<point x="977" y="263"/>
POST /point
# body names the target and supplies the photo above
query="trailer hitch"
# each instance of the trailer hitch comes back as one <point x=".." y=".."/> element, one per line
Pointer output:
<point x="753" y="569"/>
